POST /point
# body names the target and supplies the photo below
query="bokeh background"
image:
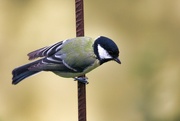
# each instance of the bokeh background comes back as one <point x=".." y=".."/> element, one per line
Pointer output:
<point x="145" y="87"/>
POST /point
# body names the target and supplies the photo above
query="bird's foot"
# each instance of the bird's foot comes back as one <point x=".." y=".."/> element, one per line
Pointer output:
<point x="82" y="79"/>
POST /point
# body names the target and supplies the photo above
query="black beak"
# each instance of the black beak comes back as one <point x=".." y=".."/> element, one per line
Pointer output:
<point x="117" y="60"/>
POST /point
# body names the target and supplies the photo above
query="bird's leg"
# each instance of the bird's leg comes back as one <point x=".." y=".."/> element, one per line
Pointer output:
<point x="82" y="79"/>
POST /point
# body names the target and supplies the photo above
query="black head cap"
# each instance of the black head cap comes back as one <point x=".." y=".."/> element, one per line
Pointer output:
<point x="106" y="50"/>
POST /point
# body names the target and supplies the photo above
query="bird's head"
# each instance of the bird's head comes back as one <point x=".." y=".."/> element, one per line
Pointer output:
<point x="106" y="50"/>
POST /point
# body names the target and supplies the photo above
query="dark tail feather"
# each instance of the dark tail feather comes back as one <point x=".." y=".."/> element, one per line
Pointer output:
<point x="23" y="72"/>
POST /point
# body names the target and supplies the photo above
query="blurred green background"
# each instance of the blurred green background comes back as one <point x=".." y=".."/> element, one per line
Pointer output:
<point x="145" y="87"/>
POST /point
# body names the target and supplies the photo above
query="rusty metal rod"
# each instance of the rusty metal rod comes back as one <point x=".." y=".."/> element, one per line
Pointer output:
<point x="79" y="10"/>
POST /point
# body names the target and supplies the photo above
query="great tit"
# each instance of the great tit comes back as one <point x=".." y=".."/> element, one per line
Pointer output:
<point x="70" y="58"/>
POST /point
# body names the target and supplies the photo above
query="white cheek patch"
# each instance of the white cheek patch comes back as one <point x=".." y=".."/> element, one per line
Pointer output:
<point x="103" y="54"/>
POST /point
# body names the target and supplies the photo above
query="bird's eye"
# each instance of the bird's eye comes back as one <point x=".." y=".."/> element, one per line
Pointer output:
<point x="110" y="52"/>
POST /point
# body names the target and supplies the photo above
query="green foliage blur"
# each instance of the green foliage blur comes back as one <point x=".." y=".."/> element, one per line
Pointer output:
<point x="145" y="87"/>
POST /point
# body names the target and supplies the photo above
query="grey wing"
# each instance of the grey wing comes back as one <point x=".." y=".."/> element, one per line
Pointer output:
<point x="52" y="63"/>
<point x="45" y="51"/>
<point x="52" y="60"/>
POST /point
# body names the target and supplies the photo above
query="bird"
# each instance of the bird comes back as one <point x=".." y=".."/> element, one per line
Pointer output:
<point x="69" y="58"/>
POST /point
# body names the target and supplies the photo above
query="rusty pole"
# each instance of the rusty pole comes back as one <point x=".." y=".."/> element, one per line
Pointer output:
<point x="79" y="10"/>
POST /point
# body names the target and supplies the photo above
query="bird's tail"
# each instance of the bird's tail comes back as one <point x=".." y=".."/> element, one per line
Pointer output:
<point x="23" y="72"/>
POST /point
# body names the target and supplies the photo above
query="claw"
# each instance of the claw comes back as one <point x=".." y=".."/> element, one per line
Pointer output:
<point x="82" y="79"/>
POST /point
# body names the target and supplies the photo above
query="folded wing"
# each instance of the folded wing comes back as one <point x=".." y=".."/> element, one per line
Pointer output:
<point x="45" y="51"/>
